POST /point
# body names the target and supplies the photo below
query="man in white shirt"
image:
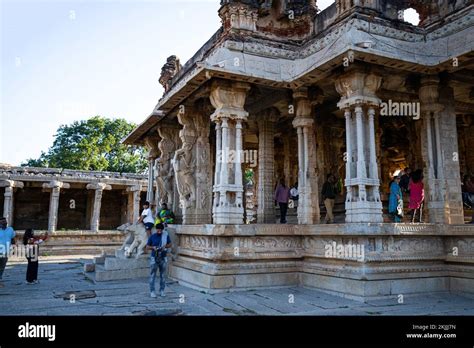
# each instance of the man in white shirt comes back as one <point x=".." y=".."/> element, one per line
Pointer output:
<point x="147" y="218"/>
<point x="294" y="195"/>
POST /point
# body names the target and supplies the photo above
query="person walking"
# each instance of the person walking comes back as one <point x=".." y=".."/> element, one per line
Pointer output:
<point x="282" y="196"/>
<point x="417" y="194"/>
<point x="31" y="244"/>
<point x="6" y="235"/>
<point x="159" y="243"/>
<point x="395" y="201"/>
<point x="294" y="195"/>
<point x="329" y="196"/>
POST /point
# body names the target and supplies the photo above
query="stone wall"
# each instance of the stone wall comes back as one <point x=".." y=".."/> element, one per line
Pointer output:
<point x="110" y="217"/>
<point x="31" y="206"/>
<point x="396" y="259"/>
<point x="72" y="210"/>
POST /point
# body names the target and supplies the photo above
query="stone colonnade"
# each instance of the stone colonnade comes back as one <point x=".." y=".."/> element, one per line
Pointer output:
<point x="186" y="158"/>
<point x="55" y="188"/>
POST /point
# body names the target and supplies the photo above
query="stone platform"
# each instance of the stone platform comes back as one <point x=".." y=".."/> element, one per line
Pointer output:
<point x="398" y="259"/>
<point x="117" y="267"/>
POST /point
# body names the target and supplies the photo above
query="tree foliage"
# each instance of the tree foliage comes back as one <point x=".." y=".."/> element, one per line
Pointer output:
<point x="93" y="144"/>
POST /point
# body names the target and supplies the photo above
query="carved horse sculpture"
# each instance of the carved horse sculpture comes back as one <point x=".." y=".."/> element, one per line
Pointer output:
<point x="136" y="239"/>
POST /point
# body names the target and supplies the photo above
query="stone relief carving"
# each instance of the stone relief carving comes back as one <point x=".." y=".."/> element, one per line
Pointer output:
<point x="184" y="161"/>
<point x="168" y="71"/>
<point x="164" y="170"/>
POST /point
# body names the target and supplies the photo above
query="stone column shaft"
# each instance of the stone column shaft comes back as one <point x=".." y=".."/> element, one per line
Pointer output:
<point x="266" y="168"/>
<point x="55" y="187"/>
<point x="357" y="89"/>
<point x="228" y="99"/>
<point x="95" y="218"/>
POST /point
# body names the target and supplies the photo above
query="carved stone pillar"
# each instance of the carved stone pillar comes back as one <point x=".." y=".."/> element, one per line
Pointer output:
<point x="134" y="207"/>
<point x="228" y="98"/>
<point x="266" y="158"/>
<point x="440" y="153"/>
<point x="55" y="187"/>
<point x="151" y="144"/>
<point x="99" y="188"/>
<point x="308" y="203"/>
<point x="359" y="102"/>
<point x="8" y="198"/>
<point x="192" y="166"/>
<point x="165" y="178"/>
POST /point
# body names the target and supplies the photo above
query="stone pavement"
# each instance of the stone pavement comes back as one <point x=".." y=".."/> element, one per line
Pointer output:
<point x="62" y="276"/>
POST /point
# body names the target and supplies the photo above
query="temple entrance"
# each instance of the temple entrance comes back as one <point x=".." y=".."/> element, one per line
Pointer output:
<point x="400" y="148"/>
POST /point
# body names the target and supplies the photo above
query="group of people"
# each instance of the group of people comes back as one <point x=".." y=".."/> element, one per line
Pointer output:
<point x="330" y="189"/>
<point x="408" y="184"/>
<point x="31" y="247"/>
<point x="159" y="243"/>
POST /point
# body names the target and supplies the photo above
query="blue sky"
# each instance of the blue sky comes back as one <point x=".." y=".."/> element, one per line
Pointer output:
<point x="67" y="60"/>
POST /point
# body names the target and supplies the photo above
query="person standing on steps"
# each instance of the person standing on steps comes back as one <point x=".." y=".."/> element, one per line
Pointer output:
<point x="417" y="194"/>
<point x="294" y="195"/>
<point x="395" y="201"/>
<point x="282" y="196"/>
<point x="147" y="218"/>
<point x="329" y="196"/>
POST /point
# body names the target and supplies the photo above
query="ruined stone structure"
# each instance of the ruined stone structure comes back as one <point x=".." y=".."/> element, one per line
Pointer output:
<point x="61" y="199"/>
<point x="352" y="90"/>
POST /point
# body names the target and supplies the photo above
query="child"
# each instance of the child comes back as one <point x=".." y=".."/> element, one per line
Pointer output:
<point x="32" y="253"/>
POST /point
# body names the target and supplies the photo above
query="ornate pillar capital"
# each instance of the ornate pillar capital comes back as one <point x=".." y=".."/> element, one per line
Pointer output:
<point x="100" y="186"/>
<point x="228" y="98"/>
<point x="56" y="185"/>
<point x="358" y="87"/>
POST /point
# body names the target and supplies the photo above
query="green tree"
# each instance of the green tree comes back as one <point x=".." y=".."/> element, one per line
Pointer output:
<point x="93" y="144"/>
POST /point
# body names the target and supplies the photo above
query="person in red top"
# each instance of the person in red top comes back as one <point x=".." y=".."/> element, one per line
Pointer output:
<point x="417" y="194"/>
<point x="32" y="254"/>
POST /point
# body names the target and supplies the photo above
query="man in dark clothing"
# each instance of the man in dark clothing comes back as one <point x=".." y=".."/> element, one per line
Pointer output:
<point x="158" y="242"/>
<point x="405" y="180"/>
<point x="329" y="195"/>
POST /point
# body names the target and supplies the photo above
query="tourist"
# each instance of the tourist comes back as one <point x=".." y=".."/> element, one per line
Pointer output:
<point x="329" y="196"/>
<point x="31" y="244"/>
<point x="158" y="242"/>
<point x="147" y="218"/>
<point x="294" y="195"/>
<point x="395" y="201"/>
<point x="6" y="235"/>
<point x="467" y="189"/>
<point x="405" y="180"/>
<point x="282" y="196"/>
<point x="165" y="216"/>
<point x="417" y="194"/>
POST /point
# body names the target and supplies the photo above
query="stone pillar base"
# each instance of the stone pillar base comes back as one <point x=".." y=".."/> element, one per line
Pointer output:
<point x="364" y="212"/>
<point x="228" y="215"/>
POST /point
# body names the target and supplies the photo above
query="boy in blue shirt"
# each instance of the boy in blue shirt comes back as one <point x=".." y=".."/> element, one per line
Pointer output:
<point x="158" y="242"/>
<point x="6" y="236"/>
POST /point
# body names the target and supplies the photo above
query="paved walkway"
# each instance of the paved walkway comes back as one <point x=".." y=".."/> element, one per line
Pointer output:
<point x="61" y="276"/>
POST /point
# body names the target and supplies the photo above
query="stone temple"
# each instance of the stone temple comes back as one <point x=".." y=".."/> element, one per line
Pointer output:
<point x="308" y="91"/>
